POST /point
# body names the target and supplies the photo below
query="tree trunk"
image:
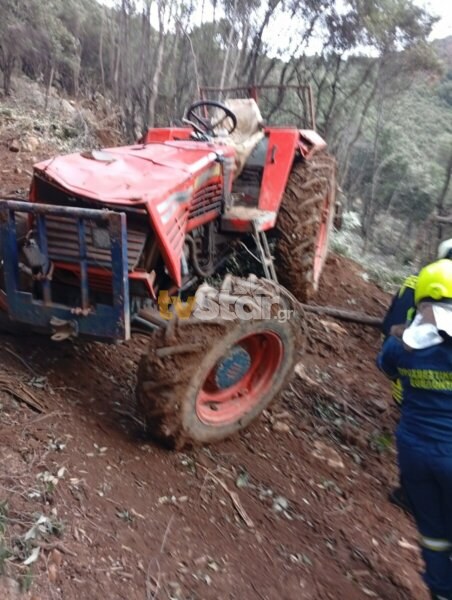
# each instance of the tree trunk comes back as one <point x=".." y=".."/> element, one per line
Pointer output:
<point x="76" y="71"/>
<point x="49" y="86"/>
<point x="346" y="158"/>
<point x="228" y="46"/>
<point x="344" y="315"/>
<point x="101" y="52"/>
<point x="7" y="74"/>
<point x="442" y="196"/>
<point x="255" y="53"/>
<point x="163" y="6"/>
<point x="7" y="63"/>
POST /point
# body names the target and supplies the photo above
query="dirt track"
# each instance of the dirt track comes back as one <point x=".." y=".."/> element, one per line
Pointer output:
<point x="134" y="521"/>
<point x="128" y="520"/>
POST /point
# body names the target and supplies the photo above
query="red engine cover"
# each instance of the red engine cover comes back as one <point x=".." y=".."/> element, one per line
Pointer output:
<point x="161" y="176"/>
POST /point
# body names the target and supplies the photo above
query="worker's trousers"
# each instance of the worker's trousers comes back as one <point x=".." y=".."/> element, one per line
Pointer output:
<point x="426" y="472"/>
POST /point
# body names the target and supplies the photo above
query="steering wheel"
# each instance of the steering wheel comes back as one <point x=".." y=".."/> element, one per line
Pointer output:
<point x="197" y="115"/>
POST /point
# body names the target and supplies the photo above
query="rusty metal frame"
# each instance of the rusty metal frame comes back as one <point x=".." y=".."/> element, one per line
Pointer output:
<point x="102" y="321"/>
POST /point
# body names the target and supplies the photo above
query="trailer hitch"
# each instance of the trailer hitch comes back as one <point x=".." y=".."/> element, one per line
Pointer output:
<point x="63" y="329"/>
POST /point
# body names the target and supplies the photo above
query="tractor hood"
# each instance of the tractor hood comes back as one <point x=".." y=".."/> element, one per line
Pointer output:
<point x="159" y="176"/>
<point x="130" y="174"/>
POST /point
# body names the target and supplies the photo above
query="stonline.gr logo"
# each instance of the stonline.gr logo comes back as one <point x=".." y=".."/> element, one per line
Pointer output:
<point x="244" y="302"/>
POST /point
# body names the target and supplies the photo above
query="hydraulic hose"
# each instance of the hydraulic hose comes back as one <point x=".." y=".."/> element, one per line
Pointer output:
<point x="203" y="272"/>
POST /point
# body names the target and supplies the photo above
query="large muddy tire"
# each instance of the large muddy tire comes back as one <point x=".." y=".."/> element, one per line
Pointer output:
<point x="202" y="381"/>
<point x="304" y="225"/>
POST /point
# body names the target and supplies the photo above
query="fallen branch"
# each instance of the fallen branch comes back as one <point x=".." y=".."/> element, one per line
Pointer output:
<point x="19" y="358"/>
<point x="234" y="498"/>
<point x="18" y="391"/>
<point x="444" y="220"/>
<point x="344" y="315"/>
<point x="31" y="422"/>
<point x="57" y="546"/>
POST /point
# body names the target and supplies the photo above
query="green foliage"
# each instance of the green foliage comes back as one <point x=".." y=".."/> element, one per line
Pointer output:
<point x="391" y="24"/>
<point x="402" y="153"/>
<point x="26" y="581"/>
<point x="4" y="551"/>
<point x="3" y="517"/>
<point x="340" y="247"/>
<point x="383" y="93"/>
<point x="387" y="279"/>
<point x="382" y="442"/>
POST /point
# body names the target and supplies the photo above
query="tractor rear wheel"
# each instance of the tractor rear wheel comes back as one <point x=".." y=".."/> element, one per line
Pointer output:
<point x="202" y="381"/>
<point x="304" y="225"/>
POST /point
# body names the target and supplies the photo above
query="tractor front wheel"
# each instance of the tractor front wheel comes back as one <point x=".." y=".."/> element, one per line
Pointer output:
<point x="205" y="381"/>
<point x="304" y="225"/>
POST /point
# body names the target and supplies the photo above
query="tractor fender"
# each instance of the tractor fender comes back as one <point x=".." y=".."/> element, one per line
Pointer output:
<point x="310" y="143"/>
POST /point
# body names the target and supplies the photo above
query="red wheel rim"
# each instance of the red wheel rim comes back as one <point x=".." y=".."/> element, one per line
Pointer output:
<point x="218" y="406"/>
<point x="321" y="245"/>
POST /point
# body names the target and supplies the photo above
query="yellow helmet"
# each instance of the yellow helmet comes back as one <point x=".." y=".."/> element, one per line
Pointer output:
<point x="434" y="281"/>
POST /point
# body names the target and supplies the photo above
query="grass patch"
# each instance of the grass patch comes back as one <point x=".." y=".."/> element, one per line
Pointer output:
<point x="381" y="442"/>
<point x="5" y="553"/>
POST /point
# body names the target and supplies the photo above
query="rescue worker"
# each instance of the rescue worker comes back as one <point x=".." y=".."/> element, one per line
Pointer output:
<point x="399" y="314"/>
<point x="401" y="309"/>
<point x="422" y="359"/>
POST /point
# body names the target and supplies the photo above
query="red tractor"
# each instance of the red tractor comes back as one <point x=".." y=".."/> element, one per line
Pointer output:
<point x="115" y="241"/>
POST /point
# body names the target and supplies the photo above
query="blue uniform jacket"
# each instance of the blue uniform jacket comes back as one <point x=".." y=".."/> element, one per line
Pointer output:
<point x="426" y="375"/>
<point x="401" y="306"/>
<point x="399" y="313"/>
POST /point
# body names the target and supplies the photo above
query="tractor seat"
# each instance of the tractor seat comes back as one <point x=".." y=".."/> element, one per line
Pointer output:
<point x="248" y="132"/>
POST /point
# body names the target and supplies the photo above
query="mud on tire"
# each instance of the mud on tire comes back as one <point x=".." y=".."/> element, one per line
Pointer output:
<point x="177" y="371"/>
<point x="304" y="225"/>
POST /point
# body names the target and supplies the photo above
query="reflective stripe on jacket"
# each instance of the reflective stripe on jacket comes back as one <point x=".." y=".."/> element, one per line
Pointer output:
<point x="426" y="377"/>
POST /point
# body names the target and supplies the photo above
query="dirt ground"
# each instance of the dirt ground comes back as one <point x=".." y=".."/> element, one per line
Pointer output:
<point x="295" y="508"/>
